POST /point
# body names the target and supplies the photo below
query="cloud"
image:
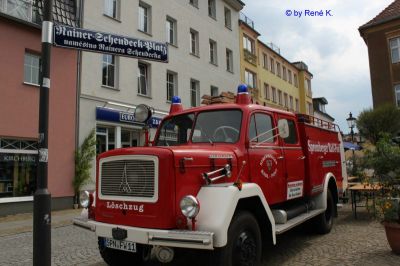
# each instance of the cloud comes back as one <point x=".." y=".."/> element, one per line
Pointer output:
<point x="330" y="46"/>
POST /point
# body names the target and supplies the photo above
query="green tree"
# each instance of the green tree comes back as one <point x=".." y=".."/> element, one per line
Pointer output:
<point x="384" y="159"/>
<point x="373" y="122"/>
<point x="83" y="162"/>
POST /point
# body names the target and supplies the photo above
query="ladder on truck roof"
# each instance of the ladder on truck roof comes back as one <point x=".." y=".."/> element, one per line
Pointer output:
<point x="317" y="122"/>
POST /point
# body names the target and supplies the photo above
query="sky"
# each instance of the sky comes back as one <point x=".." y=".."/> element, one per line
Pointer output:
<point x="331" y="46"/>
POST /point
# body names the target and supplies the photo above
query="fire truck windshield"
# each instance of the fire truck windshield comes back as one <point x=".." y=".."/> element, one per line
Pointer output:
<point x="211" y="127"/>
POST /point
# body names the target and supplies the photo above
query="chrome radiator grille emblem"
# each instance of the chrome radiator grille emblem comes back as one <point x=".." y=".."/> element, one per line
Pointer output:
<point x="124" y="186"/>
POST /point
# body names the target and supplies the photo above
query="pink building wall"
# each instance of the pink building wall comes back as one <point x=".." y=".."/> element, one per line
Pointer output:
<point x="19" y="103"/>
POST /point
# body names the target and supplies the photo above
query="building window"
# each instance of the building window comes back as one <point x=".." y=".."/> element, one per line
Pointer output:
<point x="194" y="42"/>
<point x="105" y="139"/>
<point x="397" y="93"/>
<point x="213" y="52"/>
<point x="248" y="44"/>
<point x="194" y="93"/>
<point x="171" y="31"/>
<point x="284" y="73"/>
<point x="214" y="91"/>
<point x="228" y="18"/>
<point x="143" y="79"/>
<point x="266" y="89"/>
<point x="21" y="9"/>
<point x="31" y="68"/>
<point x="278" y="69"/>
<point x="172" y="85"/>
<point x="265" y="61"/>
<point x="310" y="108"/>
<point x="308" y="87"/>
<point x="297" y="105"/>
<point x="296" y="81"/>
<point x="285" y="100"/>
<point x="290" y="76"/>
<point x="229" y="60"/>
<point x="111" y="8"/>
<point x="144" y="17"/>
<point x="272" y="65"/>
<point x="211" y="8"/>
<point x="194" y="3"/>
<point x="280" y="97"/>
<point x="109" y="70"/>
<point x="291" y="103"/>
<point x="273" y="94"/>
<point x="395" y="49"/>
<point x="250" y="79"/>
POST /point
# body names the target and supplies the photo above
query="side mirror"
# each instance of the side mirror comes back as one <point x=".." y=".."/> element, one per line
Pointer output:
<point x="283" y="128"/>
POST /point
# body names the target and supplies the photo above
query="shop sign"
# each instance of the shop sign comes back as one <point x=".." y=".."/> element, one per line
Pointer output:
<point x="111" y="115"/>
<point x="18" y="158"/>
<point x="101" y="42"/>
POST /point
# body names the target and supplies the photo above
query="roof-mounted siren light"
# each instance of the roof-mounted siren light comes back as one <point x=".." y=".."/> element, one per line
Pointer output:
<point x="243" y="95"/>
<point x="176" y="105"/>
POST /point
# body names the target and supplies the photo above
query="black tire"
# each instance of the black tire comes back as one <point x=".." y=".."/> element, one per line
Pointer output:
<point x="244" y="243"/>
<point x="324" y="221"/>
<point x="115" y="257"/>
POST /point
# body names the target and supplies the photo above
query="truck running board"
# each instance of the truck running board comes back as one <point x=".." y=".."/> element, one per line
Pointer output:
<point x="281" y="228"/>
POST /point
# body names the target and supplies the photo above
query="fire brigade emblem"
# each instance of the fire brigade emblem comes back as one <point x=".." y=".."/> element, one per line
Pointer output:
<point x="124" y="186"/>
<point x="269" y="165"/>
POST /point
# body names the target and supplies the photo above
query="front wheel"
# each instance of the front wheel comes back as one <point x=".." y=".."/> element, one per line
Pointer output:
<point x="114" y="257"/>
<point x="244" y="243"/>
<point x="324" y="221"/>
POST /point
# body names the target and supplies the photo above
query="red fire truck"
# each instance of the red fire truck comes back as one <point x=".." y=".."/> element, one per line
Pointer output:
<point x="222" y="178"/>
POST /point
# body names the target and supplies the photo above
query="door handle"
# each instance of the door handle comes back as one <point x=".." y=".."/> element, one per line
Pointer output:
<point x="301" y="157"/>
<point x="281" y="158"/>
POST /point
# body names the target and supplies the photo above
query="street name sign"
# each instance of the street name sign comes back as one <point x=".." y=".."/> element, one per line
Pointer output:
<point x="101" y="42"/>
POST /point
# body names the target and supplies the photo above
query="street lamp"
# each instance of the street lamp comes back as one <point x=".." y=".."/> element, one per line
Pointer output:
<point x="351" y="122"/>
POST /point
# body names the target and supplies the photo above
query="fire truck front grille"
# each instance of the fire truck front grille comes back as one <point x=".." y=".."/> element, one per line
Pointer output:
<point x="129" y="178"/>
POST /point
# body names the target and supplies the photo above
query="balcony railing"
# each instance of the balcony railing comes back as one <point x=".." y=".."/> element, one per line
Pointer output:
<point x="249" y="57"/>
<point x="246" y="20"/>
<point x="21" y="9"/>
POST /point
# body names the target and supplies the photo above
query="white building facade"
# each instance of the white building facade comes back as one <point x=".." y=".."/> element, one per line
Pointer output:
<point x="203" y="51"/>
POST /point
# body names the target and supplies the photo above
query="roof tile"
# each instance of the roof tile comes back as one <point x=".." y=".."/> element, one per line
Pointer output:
<point x="391" y="12"/>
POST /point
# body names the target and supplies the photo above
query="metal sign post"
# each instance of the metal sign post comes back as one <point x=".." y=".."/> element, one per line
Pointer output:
<point x="42" y="197"/>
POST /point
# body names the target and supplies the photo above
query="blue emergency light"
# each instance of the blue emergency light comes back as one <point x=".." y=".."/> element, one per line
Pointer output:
<point x="176" y="100"/>
<point x="242" y="88"/>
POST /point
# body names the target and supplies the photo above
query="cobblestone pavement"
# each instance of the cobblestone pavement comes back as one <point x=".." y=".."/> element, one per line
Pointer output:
<point x="351" y="242"/>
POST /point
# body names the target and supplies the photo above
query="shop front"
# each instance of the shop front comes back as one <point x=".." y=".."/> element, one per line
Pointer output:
<point x="118" y="129"/>
<point x="17" y="169"/>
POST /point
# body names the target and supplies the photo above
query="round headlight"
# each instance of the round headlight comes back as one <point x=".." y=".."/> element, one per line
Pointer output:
<point x="190" y="206"/>
<point x="142" y="113"/>
<point x="84" y="199"/>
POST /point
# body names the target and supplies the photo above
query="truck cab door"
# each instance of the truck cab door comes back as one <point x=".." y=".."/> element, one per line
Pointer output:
<point x="266" y="157"/>
<point x="294" y="160"/>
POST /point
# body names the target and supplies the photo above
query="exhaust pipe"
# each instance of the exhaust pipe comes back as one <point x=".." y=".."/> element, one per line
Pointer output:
<point x="163" y="254"/>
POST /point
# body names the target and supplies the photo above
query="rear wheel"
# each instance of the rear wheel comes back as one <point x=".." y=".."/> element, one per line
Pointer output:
<point x="114" y="257"/>
<point x="324" y="221"/>
<point x="244" y="243"/>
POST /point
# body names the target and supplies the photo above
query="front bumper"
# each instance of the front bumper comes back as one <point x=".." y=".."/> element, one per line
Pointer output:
<point x="169" y="238"/>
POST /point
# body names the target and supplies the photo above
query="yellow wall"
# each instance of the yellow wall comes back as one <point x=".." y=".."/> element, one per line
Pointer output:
<point x="254" y="63"/>
<point x="305" y="96"/>
<point x="245" y="64"/>
<point x="273" y="80"/>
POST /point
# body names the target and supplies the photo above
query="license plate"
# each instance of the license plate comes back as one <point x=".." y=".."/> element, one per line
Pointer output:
<point x="121" y="245"/>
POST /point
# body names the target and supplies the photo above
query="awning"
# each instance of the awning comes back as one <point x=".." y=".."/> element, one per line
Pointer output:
<point x="351" y="146"/>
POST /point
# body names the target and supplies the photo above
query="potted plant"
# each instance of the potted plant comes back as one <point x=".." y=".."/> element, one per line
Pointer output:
<point x="385" y="160"/>
<point x="83" y="162"/>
